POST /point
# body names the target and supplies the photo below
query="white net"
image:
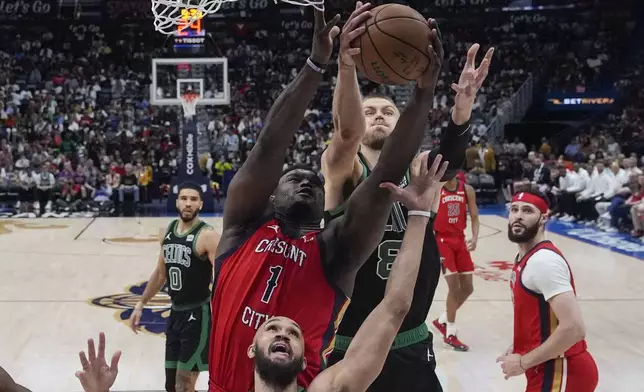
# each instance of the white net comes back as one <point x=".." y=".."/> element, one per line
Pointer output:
<point x="173" y="15"/>
<point x="189" y="103"/>
<point x="317" y="4"/>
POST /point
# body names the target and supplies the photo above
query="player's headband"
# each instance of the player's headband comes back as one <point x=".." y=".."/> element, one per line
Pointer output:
<point x="535" y="200"/>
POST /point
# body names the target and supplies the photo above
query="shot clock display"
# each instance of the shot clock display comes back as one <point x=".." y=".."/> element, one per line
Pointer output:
<point x="190" y="32"/>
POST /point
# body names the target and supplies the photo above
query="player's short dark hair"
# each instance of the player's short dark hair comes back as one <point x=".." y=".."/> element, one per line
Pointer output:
<point x="534" y="190"/>
<point x="377" y="94"/>
<point x="190" y="185"/>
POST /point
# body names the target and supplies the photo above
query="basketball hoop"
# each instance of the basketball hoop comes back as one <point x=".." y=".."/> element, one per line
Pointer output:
<point x="317" y="4"/>
<point x="189" y="103"/>
<point x="170" y="15"/>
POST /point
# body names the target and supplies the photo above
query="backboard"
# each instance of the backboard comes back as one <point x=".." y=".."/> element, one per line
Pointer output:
<point x="208" y="77"/>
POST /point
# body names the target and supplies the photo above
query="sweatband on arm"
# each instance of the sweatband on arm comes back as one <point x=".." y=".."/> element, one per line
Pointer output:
<point x="454" y="141"/>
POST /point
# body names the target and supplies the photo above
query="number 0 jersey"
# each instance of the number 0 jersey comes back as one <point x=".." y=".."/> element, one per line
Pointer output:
<point x="371" y="279"/>
<point x="189" y="275"/>
<point x="271" y="274"/>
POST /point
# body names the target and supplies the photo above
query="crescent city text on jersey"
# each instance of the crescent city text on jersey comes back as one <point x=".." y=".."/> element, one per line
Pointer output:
<point x="449" y="198"/>
<point x="280" y="247"/>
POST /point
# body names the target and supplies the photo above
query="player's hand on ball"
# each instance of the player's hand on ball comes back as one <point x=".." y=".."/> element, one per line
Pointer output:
<point x="135" y="319"/>
<point x="425" y="180"/>
<point x="511" y="365"/>
<point x="471" y="78"/>
<point x="96" y="376"/>
<point x="351" y="31"/>
<point x="436" y="55"/>
<point x="324" y="34"/>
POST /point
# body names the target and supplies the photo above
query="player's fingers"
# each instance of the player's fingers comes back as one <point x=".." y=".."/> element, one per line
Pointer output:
<point x="457" y="88"/>
<point x="392" y="188"/>
<point x="441" y="171"/>
<point x="83" y="360"/>
<point x="332" y="23"/>
<point x="353" y="51"/>
<point x="437" y="43"/>
<point x="435" y="165"/>
<point x="434" y="26"/>
<point x="101" y="345"/>
<point x="114" y="364"/>
<point x="360" y="7"/>
<point x="471" y="56"/>
<point x="319" y="20"/>
<point x="91" y="350"/>
<point x="423" y="168"/>
<point x="334" y="32"/>
<point x="358" y="16"/>
<point x="482" y="72"/>
<point x="356" y="33"/>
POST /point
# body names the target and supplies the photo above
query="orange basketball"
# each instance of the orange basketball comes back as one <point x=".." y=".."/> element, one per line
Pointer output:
<point x="393" y="50"/>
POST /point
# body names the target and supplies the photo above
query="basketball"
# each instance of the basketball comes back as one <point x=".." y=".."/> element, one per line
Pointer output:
<point x="393" y="49"/>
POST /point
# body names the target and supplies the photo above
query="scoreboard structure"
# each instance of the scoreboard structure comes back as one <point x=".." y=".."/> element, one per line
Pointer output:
<point x="190" y="34"/>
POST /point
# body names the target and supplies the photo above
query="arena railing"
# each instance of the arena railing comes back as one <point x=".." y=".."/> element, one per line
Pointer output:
<point x="520" y="102"/>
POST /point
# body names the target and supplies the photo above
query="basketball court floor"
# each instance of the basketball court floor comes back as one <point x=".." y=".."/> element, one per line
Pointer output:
<point x="65" y="280"/>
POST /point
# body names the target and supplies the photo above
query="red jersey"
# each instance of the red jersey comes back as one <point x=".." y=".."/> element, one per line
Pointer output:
<point x="451" y="219"/>
<point x="534" y="320"/>
<point x="271" y="274"/>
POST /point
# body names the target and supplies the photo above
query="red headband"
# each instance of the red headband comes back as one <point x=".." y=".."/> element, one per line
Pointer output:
<point x="535" y="200"/>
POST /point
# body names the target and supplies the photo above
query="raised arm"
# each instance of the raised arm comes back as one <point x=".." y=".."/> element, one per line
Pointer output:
<point x="368" y="350"/>
<point x="350" y="239"/>
<point x="252" y="185"/>
<point x="339" y="159"/>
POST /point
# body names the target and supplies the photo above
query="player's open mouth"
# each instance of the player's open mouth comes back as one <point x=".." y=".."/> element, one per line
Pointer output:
<point x="280" y="349"/>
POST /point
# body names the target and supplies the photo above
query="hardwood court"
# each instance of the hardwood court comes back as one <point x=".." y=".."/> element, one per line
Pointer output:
<point x="65" y="280"/>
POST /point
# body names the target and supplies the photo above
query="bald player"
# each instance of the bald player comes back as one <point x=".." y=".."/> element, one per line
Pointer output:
<point x="549" y="331"/>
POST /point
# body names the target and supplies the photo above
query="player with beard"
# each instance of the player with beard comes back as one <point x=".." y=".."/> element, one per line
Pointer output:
<point x="274" y="258"/>
<point x="549" y="332"/>
<point x="185" y="262"/>
<point x="363" y="129"/>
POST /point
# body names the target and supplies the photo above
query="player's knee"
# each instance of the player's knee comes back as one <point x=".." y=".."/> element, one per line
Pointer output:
<point x="466" y="290"/>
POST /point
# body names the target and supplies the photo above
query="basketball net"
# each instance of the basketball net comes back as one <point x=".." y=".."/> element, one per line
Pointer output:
<point x="168" y="15"/>
<point x="189" y="103"/>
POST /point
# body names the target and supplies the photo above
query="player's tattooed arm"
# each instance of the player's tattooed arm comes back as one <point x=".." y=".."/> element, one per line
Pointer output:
<point x="349" y="124"/>
<point x="368" y="350"/>
<point x="351" y="238"/>
<point x="253" y="184"/>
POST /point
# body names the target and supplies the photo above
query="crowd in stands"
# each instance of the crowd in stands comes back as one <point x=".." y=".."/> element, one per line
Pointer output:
<point x="78" y="133"/>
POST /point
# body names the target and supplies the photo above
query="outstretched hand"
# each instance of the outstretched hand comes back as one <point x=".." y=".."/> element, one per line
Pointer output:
<point x="351" y="31"/>
<point x="425" y="181"/>
<point x="96" y="376"/>
<point x="471" y="78"/>
<point x="323" y="36"/>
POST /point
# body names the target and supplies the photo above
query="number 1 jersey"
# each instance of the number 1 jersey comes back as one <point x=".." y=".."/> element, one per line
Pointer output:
<point x="271" y="274"/>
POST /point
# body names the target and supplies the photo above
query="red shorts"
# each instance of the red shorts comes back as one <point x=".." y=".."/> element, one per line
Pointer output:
<point x="572" y="374"/>
<point x="455" y="258"/>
